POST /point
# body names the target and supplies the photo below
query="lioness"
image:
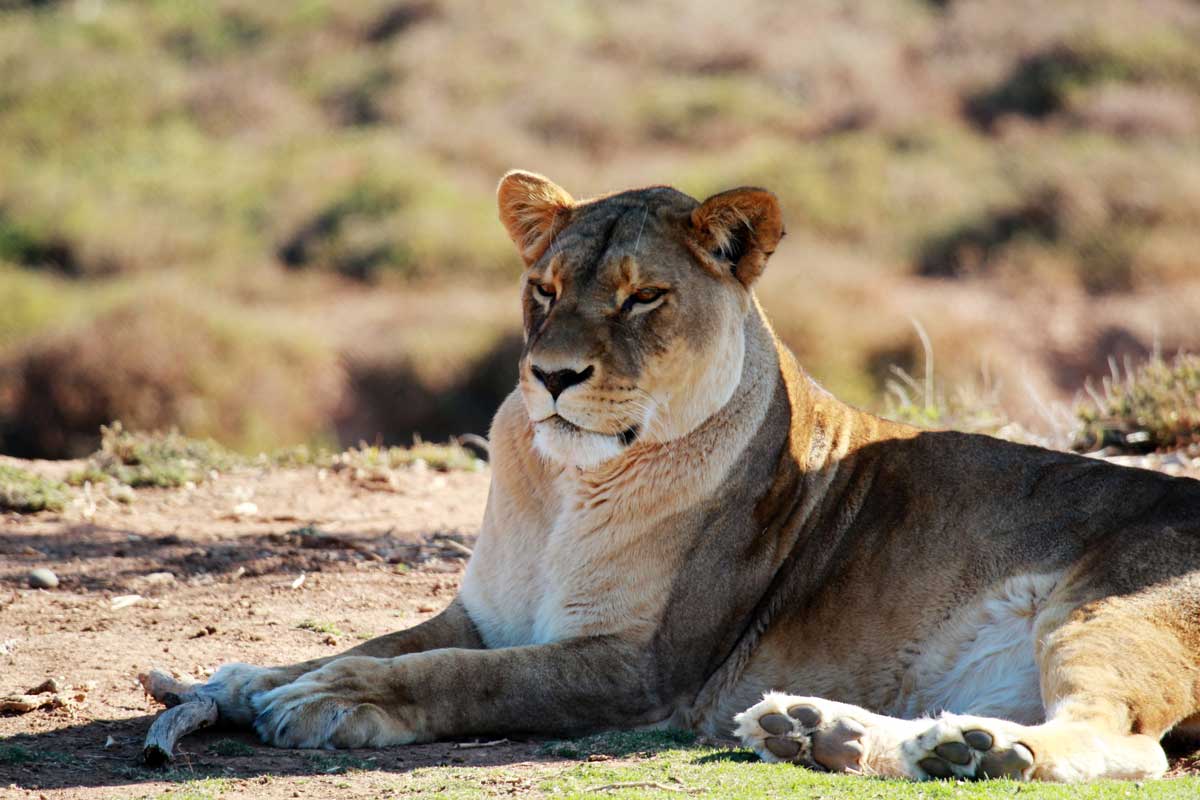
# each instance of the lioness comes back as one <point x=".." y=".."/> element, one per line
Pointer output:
<point x="682" y="526"/>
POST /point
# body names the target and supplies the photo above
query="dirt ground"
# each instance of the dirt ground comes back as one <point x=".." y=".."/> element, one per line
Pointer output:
<point x="267" y="566"/>
<point x="178" y="580"/>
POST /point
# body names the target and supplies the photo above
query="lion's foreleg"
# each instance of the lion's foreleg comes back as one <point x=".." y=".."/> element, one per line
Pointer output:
<point x="559" y="688"/>
<point x="235" y="686"/>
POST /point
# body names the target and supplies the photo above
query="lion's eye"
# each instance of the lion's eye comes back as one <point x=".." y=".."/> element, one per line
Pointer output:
<point x="647" y="295"/>
<point x="545" y="290"/>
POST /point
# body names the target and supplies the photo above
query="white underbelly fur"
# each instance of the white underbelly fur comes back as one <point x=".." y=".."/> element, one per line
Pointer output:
<point x="983" y="662"/>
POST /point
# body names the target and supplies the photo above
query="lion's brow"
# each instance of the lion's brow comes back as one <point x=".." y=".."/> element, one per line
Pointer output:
<point x="604" y="240"/>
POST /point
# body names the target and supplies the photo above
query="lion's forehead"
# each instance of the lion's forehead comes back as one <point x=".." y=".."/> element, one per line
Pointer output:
<point x="604" y="235"/>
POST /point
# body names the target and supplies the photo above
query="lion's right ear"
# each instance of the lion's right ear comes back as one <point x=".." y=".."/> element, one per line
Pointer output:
<point x="533" y="209"/>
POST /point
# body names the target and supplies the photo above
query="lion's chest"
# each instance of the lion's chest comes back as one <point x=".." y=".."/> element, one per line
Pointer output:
<point x="585" y="575"/>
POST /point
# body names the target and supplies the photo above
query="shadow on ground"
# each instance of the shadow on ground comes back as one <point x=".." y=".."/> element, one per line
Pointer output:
<point x="76" y="756"/>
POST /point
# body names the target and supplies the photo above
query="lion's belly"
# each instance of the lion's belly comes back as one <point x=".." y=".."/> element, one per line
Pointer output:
<point x="983" y="660"/>
<point x="980" y="661"/>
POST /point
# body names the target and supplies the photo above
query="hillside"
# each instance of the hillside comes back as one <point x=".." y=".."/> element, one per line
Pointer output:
<point x="272" y="223"/>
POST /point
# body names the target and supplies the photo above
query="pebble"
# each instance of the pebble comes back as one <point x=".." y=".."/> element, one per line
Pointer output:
<point x="42" y="578"/>
<point x="245" y="509"/>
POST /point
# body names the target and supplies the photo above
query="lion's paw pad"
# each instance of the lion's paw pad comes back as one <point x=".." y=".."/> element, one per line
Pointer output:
<point x="951" y="750"/>
<point x="805" y="731"/>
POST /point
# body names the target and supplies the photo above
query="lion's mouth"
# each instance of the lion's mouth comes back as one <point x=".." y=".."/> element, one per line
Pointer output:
<point x="625" y="437"/>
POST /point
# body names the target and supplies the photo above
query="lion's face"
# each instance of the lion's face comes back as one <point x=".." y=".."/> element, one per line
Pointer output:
<point x="634" y="306"/>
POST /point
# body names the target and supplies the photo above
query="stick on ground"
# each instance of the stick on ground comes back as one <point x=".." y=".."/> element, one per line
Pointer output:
<point x="187" y="711"/>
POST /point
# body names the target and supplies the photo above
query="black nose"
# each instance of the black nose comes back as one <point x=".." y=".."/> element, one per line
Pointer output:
<point x="560" y="380"/>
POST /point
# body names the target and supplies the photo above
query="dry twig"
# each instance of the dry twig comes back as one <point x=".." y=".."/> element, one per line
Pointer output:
<point x="474" y="745"/>
<point x="612" y="787"/>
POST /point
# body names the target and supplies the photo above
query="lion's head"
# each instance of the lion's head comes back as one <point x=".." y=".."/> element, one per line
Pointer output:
<point x="634" y="308"/>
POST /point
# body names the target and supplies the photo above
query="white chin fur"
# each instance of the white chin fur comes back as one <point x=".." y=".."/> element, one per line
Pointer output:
<point x="576" y="448"/>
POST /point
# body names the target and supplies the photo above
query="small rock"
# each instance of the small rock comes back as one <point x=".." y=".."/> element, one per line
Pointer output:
<point x="158" y="578"/>
<point x="125" y="601"/>
<point x="246" y="509"/>
<point x="48" y="686"/>
<point x="42" y="578"/>
<point x="122" y="493"/>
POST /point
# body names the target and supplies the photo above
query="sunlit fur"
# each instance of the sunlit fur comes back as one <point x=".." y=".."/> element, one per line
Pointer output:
<point x="696" y="534"/>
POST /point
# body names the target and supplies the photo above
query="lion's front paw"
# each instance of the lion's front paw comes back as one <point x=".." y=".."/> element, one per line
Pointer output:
<point x="345" y="704"/>
<point x="235" y="687"/>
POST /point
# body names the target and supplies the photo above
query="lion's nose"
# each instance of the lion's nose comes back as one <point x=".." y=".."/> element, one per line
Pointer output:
<point x="560" y="380"/>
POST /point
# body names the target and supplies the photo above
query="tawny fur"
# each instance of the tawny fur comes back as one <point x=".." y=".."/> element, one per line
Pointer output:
<point x="690" y="523"/>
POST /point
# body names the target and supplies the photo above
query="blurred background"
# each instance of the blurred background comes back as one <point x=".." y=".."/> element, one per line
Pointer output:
<point x="274" y="223"/>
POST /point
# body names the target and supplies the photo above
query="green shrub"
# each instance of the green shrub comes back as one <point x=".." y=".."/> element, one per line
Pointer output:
<point x="161" y="460"/>
<point x="159" y="361"/>
<point x="27" y="493"/>
<point x="32" y="302"/>
<point x="1153" y="406"/>
<point x="1043" y="83"/>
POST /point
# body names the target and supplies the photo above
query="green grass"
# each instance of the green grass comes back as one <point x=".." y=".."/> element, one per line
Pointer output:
<point x="200" y="789"/>
<point x="26" y="493"/>
<point x="657" y="757"/>
<point x="15" y="754"/>
<point x="230" y="748"/>
<point x="317" y="626"/>
<point x="619" y="744"/>
<point x="336" y="763"/>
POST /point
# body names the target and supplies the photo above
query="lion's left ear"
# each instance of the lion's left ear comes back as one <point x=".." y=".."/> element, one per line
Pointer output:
<point x="739" y="229"/>
<point x="533" y="209"/>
